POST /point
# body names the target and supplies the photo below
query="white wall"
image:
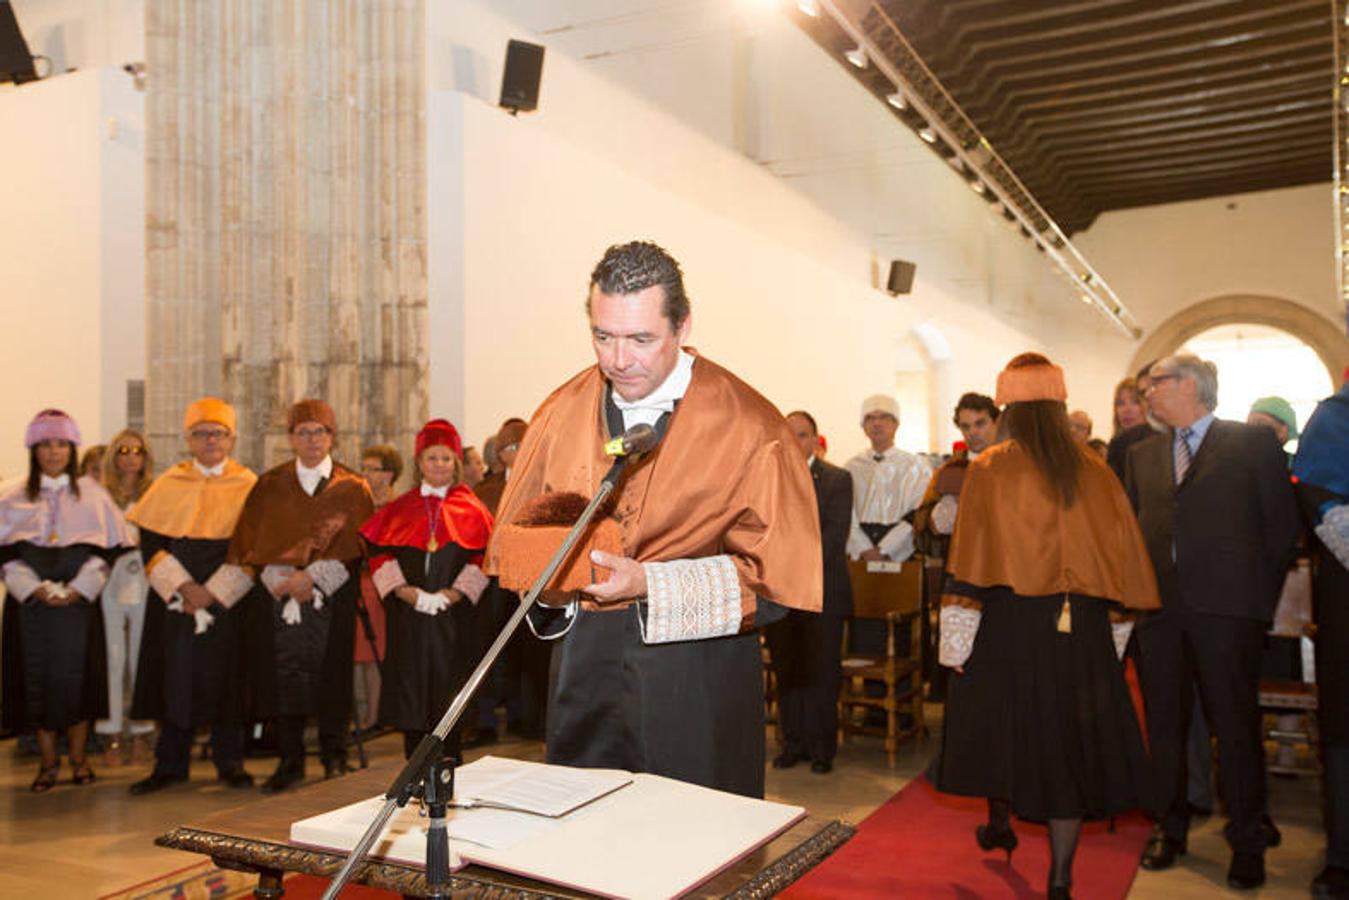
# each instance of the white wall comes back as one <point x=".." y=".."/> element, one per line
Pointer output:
<point x="72" y="252"/>
<point x="780" y="274"/>
<point x="83" y="34"/>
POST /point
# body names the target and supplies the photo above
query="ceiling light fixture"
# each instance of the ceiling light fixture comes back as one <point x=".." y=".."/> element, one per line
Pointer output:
<point x="928" y="134"/>
<point x="897" y="100"/>
<point x="857" y="56"/>
<point x="809" y="7"/>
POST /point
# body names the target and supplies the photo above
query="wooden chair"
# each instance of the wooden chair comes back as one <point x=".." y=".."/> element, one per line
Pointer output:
<point x="892" y="594"/>
<point x="1293" y="700"/>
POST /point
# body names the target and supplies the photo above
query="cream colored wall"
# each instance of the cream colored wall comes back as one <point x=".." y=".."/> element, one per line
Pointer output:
<point x="71" y="252"/>
<point x="781" y="282"/>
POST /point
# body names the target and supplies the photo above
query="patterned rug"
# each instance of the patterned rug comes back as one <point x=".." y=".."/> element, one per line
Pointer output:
<point x="199" y="881"/>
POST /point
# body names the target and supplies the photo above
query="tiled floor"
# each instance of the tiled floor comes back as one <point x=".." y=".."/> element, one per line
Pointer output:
<point x="83" y="842"/>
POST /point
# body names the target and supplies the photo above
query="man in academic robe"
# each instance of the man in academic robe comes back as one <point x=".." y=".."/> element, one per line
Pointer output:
<point x="297" y="536"/>
<point x="806" y="647"/>
<point x="888" y="485"/>
<point x="659" y="669"/>
<point x="192" y="650"/>
<point x="1220" y="520"/>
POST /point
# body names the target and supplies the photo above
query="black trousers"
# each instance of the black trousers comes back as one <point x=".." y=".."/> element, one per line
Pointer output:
<point x="805" y="651"/>
<point x="1221" y="655"/>
<point x="173" y="751"/>
<point x="332" y="738"/>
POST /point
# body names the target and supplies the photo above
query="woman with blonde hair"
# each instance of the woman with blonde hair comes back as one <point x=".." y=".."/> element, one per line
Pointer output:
<point x="126" y="471"/>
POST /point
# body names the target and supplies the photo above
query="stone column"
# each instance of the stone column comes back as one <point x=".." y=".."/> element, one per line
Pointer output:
<point x="286" y="223"/>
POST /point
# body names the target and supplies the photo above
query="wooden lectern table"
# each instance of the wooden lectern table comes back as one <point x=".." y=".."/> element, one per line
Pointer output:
<point x="255" y="837"/>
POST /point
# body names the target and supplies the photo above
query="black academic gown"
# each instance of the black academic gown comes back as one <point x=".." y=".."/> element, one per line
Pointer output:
<point x="185" y="678"/>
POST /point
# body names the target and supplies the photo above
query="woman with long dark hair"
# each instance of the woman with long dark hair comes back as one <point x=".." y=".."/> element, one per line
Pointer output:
<point x="57" y="531"/>
<point x="1045" y="566"/>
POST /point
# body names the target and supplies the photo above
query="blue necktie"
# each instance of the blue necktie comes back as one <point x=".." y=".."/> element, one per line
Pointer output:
<point x="1182" y="454"/>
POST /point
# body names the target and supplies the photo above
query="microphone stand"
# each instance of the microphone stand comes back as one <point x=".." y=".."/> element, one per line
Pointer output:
<point x="428" y="773"/>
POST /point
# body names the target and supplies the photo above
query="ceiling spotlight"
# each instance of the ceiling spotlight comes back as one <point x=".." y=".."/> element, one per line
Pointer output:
<point x="857" y="56"/>
<point x="809" y="7"/>
<point x="897" y="100"/>
<point x="977" y="187"/>
<point x="928" y="134"/>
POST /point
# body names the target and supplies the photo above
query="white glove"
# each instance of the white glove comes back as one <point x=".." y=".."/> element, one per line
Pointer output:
<point x="290" y="612"/>
<point x="202" y="619"/>
<point x="431" y="604"/>
<point x="1334" y="532"/>
<point x="317" y="600"/>
<point x="57" y="588"/>
<point x="944" y="514"/>
<point x="1119" y="632"/>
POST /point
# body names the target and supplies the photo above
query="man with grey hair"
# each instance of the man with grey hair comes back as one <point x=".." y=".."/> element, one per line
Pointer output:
<point x="1219" y="517"/>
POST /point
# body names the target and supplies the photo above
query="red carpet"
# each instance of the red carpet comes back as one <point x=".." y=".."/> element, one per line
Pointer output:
<point x="311" y="887"/>
<point x="921" y="844"/>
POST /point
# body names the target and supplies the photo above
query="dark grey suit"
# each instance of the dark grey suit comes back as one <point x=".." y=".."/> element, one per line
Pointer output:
<point x="1220" y="543"/>
<point x="804" y="646"/>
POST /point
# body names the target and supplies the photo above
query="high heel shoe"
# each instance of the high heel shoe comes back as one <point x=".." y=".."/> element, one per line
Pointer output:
<point x="46" y="778"/>
<point x="81" y="773"/>
<point x="996" y="837"/>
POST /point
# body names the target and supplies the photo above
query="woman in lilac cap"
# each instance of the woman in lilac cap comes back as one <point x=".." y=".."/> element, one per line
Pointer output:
<point x="57" y="532"/>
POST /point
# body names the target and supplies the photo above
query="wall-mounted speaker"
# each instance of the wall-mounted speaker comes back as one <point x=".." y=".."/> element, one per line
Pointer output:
<point x="901" y="277"/>
<point x="520" y="81"/>
<point x="16" y="62"/>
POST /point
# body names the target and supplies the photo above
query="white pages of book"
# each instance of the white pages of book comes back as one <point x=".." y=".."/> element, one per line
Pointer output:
<point x="656" y="837"/>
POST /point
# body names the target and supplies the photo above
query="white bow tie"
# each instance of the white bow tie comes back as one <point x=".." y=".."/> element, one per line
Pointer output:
<point x="428" y="491"/>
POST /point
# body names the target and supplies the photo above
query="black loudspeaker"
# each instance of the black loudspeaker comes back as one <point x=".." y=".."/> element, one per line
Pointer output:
<point x="901" y="277"/>
<point x="520" y="82"/>
<point x="16" y="63"/>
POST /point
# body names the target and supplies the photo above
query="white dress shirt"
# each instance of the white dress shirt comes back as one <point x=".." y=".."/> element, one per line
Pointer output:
<point x="310" y="478"/>
<point x="650" y="408"/>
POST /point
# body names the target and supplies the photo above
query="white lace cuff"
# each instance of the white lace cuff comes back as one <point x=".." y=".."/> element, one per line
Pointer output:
<point x="1119" y="633"/>
<point x="20" y="579"/>
<point x="328" y="574"/>
<point x="388" y="577"/>
<point x="1334" y="532"/>
<point x="89" y="580"/>
<point x="167" y="575"/>
<point x="959" y="625"/>
<point x="229" y="583"/>
<point x="471" y="582"/>
<point x="691" y="600"/>
<point x="944" y="514"/>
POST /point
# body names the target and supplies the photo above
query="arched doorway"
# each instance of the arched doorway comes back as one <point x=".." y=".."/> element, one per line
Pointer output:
<point x="1320" y="334"/>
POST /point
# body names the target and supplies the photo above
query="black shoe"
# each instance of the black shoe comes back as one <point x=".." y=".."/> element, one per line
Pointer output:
<point x="1331" y="884"/>
<point x="821" y="766"/>
<point x="235" y="778"/>
<point x="288" y="774"/>
<point x="335" y="767"/>
<point x="786" y="759"/>
<point x="1199" y="812"/>
<point x="1247" y="871"/>
<point x="996" y="837"/>
<point x="1273" y="836"/>
<point x="156" y="782"/>
<point x="1161" y="851"/>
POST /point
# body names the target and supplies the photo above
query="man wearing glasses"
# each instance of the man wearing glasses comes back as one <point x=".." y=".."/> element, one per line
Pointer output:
<point x="1219" y="518"/>
<point x="188" y="670"/>
<point x="297" y="536"/>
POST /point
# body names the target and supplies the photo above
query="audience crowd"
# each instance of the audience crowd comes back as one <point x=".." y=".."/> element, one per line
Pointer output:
<point x="204" y="599"/>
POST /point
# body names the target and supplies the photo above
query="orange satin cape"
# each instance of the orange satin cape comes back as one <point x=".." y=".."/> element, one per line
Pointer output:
<point x="1012" y="531"/>
<point x="405" y="522"/>
<point x="283" y="525"/>
<point x="184" y="503"/>
<point x="728" y="478"/>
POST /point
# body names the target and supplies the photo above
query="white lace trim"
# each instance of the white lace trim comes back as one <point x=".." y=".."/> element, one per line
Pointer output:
<point x="959" y="625"/>
<point x="1119" y="633"/>
<point x="328" y="574"/>
<point x="167" y="575"/>
<point x="228" y="583"/>
<point x="471" y="582"/>
<point x="388" y="577"/>
<point x="1334" y="532"/>
<point x="691" y="600"/>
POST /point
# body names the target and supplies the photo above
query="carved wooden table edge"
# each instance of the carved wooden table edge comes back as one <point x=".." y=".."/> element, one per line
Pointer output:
<point x="271" y="861"/>
<point x="796" y="862"/>
<point x="263" y="857"/>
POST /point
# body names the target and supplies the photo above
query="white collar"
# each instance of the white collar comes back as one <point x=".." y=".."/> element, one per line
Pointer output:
<point x="49" y="483"/>
<point x="810" y="463"/>
<point x="428" y="491"/>
<point x="212" y="472"/>
<point x="671" y="389"/>
<point x="319" y="472"/>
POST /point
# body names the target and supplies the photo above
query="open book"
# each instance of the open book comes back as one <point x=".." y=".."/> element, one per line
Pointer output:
<point x="644" y="836"/>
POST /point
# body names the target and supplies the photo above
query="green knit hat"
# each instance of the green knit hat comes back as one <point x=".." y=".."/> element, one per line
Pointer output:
<point x="1278" y="408"/>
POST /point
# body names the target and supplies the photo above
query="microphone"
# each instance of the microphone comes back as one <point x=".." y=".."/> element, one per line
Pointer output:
<point x="638" y="439"/>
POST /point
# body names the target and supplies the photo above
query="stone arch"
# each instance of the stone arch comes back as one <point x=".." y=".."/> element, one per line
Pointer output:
<point x="1318" y="332"/>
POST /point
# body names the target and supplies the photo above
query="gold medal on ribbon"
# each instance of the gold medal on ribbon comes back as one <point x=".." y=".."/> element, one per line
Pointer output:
<point x="432" y="545"/>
